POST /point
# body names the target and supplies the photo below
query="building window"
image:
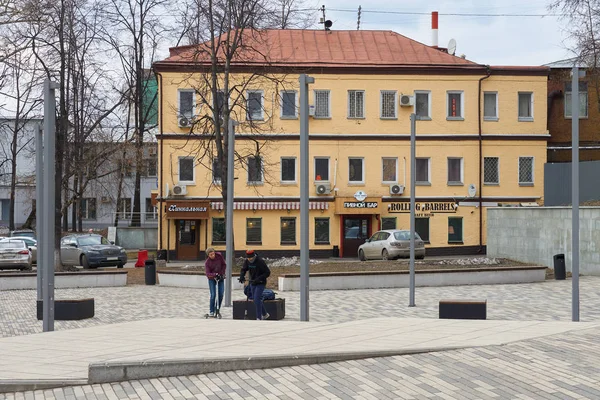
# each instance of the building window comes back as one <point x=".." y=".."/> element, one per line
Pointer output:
<point x="455" y="105"/>
<point x="455" y="230"/>
<point x="288" y="169"/>
<point x="490" y="106"/>
<point x="88" y="208"/>
<point x="255" y="169"/>
<point x="491" y="170"/>
<point x="124" y="208"/>
<point x="389" y="169"/>
<point x="356" y="170"/>
<point x="186" y="103"/>
<point x="422" y="228"/>
<point x="216" y="172"/>
<point x="186" y="169"/>
<point x="151" y="167"/>
<point x="455" y="171"/>
<point x="422" y="171"/>
<point x="218" y="230"/>
<point x="583" y="100"/>
<point x="253" y="231"/>
<point x="321" y="230"/>
<point x="288" y="230"/>
<point x="322" y="104"/>
<point x="321" y="169"/>
<point x="125" y="168"/>
<point x="423" y="104"/>
<point x="388" y="104"/>
<point x="525" y="106"/>
<point x="526" y="171"/>
<point x="288" y="104"/>
<point x="254" y="100"/>
<point x="356" y="103"/>
<point x="388" y="223"/>
<point x="151" y="211"/>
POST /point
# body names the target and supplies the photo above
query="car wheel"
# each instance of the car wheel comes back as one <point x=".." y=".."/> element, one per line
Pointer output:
<point x="385" y="255"/>
<point x="120" y="266"/>
<point x="361" y="255"/>
<point x="420" y="257"/>
<point x="84" y="262"/>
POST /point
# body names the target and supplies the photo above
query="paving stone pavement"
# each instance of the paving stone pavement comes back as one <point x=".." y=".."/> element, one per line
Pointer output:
<point x="552" y="367"/>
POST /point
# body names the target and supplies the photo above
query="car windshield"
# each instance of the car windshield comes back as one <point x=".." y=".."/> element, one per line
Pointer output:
<point x="23" y="233"/>
<point x="92" y="240"/>
<point x="405" y="235"/>
<point x="12" y="244"/>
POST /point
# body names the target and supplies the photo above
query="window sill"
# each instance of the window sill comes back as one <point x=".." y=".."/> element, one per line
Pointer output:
<point x="457" y="242"/>
<point x="456" y="184"/>
<point x="254" y="243"/>
<point x="322" y="243"/>
<point x="355" y="117"/>
<point x="491" y="183"/>
<point x="288" y="117"/>
<point x="187" y="183"/>
<point x="525" y="119"/>
<point x="491" y="119"/>
<point x="387" y="183"/>
<point x="389" y="118"/>
<point x="580" y="117"/>
<point x="424" y="118"/>
<point x="288" y="183"/>
<point x="218" y="243"/>
<point x="255" y="120"/>
<point x="321" y="182"/>
<point x="315" y="117"/>
<point x="255" y="183"/>
<point x="455" y="118"/>
<point x="422" y="183"/>
<point x="287" y="244"/>
<point x="356" y="184"/>
<point x="526" y="184"/>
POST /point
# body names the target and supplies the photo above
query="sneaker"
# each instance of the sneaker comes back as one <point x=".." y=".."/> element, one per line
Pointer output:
<point x="266" y="316"/>
<point x="212" y="314"/>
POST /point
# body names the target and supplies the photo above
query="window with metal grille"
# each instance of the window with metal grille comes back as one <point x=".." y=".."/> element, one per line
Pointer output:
<point x="186" y="169"/>
<point x="388" y="223"/>
<point x="526" y="170"/>
<point x="491" y="174"/>
<point x="216" y="171"/>
<point x="356" y="170"/>
<point x="151" y="211"/>
<point x="218" y="230"/>
<point x="422" y="228"/>
<point x="288" y="104"/>
<point x="254" y="169"/>
<point x="88" y="208"/>
<point x="186" y="103"/>
<point x="356" y="103"/>
<point x="321" y="169"/>
<point x="454" y="170"/>
<point x="255" y="105"/>
<point x="389" y="166"/>
<point x="321" y="230"/>
<point x="490" y="105"/>
<point x="422" y="104"/>
<point x="322" y="104"/>
<point x="288" y="169"/>
<point x="455" y="104"/>
<point x="583" y="100"/>
<point x="455" y="229"/>
<point x="151" y="166"/>
<point x="253" y="230"/>
<point x="422" y="170"/>
<point x="288" y="230"/>
<point x="388" y="104"/>
<point x="525" y="106"/>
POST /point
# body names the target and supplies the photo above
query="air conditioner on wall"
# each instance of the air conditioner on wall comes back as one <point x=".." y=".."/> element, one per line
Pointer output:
<point x="311" y="110"/>
<point x="105" y="199"/>
<point x="152" y="151"/>
<point x="407" y="100"/>
<point x="179" y="190"/>
<point x="396" y="189"/>
<point x="323" y="188"/>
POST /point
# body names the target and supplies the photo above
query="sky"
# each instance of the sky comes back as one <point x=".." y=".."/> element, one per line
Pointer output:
<point x="491" y="40"/>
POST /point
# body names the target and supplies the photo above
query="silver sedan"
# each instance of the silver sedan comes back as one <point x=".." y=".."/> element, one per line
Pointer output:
<point x="14" y="254"/>
<point x="390" y="244"/>
<point x="31" y="243"/>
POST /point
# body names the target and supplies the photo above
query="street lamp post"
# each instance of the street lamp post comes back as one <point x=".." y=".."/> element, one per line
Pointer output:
<point x="413" y="179"/>
<point x="229" y="210"/>
<point x="575" y="193"/>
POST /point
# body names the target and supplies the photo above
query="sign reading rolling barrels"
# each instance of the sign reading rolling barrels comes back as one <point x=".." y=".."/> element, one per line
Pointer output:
<point x="424" y="207"/>
<point x="186" y="209"/>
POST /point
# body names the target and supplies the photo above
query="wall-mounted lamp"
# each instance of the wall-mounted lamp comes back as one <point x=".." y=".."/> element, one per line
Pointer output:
<point x="220" y="210"/>
<point x="289" y="211"/>
<point x="322" y="210"/>
<point x="254" y="210"/>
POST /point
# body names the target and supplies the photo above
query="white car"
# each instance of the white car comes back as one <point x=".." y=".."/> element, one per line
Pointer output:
<point x="390" y="244"/>
<point x="14" y="254"/>
<point x="31" y="243"/>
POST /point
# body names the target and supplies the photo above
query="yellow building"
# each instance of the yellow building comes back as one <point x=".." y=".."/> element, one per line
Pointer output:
<point x="481" y="142"/>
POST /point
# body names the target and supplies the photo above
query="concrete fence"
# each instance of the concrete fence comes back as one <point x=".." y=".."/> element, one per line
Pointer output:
<point x="137" y="238"/>
<point x="535" y="235"/>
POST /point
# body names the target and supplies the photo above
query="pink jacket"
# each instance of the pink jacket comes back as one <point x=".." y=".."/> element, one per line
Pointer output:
<point x="215" y="267"/>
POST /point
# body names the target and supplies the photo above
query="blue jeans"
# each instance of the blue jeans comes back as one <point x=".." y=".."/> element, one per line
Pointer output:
<point x="257" y="291"/>
<point x="212" y="285"/>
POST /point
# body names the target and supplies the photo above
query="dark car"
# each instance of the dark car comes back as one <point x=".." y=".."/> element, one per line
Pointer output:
<point x="91" y="251"/>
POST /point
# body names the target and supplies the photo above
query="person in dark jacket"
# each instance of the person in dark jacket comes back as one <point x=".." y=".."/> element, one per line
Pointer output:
<point x="259" y="272"/>
<point x="215" y="267"/>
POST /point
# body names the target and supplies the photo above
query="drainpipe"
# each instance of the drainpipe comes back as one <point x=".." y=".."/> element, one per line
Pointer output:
<point x="488" y="72"/>
<point x="160" y="183"/>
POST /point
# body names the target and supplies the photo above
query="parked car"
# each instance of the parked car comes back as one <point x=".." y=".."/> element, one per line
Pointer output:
<point x="390" y="244"/>
<point x="31" y="243"/>
<point x="14" y="254"/>
<point x="22" y="232"/>
<point x="91" y="251"/>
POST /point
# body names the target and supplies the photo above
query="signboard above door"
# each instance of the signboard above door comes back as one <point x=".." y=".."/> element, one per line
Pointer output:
<point x="186" y="209"/>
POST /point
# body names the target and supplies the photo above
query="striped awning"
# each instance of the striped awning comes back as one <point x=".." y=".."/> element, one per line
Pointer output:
<point x="271" y="205"/>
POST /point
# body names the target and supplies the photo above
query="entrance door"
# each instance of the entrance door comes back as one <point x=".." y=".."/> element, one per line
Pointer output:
<point x="188" y="238"/>
<point x="356" y="231"/>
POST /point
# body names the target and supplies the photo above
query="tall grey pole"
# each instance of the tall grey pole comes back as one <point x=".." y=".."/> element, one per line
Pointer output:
<point x="229" y="217"/>
<point x="49" y="203"/>
<point x="575" y="193"/>
<point x="413" y="167"/>
<point x="39" y="214"/>
<point x="304" y="80"/>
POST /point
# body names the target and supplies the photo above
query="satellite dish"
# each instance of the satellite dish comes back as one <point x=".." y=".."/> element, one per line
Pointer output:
<point x="328" y="24"/>
<point x="452" y="46"/>
<point x="472" y="190"/>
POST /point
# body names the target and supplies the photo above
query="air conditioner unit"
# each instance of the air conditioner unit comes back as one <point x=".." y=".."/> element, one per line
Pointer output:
<point x="105" y="199"/>
<point x="152" y="151"/>
<point x="323" y="188"/>
<point x="396" y="189"/>
<point x="179" y="190"/>
<point x="311" y="110"/>
<point x="184" y="122"/>
<point x="407" y="100"/>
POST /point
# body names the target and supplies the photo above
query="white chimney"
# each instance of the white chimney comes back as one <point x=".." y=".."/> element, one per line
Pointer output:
<point x="434" y="28"/>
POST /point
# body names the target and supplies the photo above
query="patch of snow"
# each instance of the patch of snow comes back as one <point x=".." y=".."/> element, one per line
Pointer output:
<point x="281" y="262"/>
<point x="466" y="261"/>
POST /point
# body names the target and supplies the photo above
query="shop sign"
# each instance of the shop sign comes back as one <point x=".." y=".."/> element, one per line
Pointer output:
<point x="428" y="208"/>
<point x="360" y="195"/>
<point x="186" y="209"/>
<point x="360" y="204"/>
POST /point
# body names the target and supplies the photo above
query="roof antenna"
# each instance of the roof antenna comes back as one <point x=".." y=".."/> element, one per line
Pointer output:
<point x="327" y="23"/>
<point x="358" y="20"/>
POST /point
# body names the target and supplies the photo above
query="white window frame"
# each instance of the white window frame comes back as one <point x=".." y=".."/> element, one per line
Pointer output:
<point x="462" y="105"/>
<point x="428" y="182"/>
<point x="363" y="110"/>
<point x="382" y="170"/>
<point x="262" y="172"/>
<point x="125" y="214"/>
<point x="497" y="171"/>
<point x="462" y="171"/>
<point x="328" y="116"/>
<point x="85" y="212"/>
<point x="179" y="114"/>
<point x="362" y="180"/>
<point x="295" y="116"/>
<point x="193" y="181"/>
<point x="428" y="93"/>
<point x="587" y="103"/>
<point x="328" y="168"/>
<point x="151" y="215"/>
<point x="262" y="104"/>
<point x="532" y="171"/>
<point x="495" y="118"/>
<point x="295" y="170"/>
<point x="395" y="92"/>
<point x="531" y="103"/>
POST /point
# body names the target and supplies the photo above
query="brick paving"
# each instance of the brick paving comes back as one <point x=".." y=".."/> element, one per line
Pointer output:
<point x="552" y="367"/>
